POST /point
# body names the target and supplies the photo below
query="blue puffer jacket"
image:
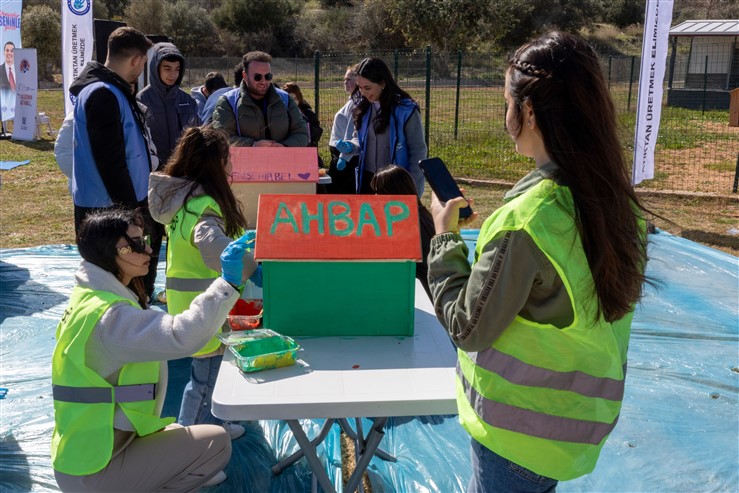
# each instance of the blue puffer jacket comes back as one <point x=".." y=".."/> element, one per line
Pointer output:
<point x="407" y="145"/>
<point x="169" y="109"/>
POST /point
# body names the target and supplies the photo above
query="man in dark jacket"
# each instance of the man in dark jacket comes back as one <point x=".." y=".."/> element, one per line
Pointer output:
<point x="169" y="109"/>
<point x="113" y="155"/>
<point x="258" y="114"/>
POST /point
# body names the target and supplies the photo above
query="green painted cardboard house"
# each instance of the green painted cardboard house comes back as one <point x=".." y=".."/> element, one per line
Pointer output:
<point x="338" y="265"/>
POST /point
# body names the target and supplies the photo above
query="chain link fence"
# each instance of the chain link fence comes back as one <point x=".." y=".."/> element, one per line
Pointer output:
<point x="463" y="109"/>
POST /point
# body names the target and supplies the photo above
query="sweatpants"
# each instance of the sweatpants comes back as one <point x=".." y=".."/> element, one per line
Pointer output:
<point x="174" y="459"/>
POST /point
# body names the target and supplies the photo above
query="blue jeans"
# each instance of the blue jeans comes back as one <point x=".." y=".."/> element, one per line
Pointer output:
<point x="195" y="408"/>
<point x="492" y="473"/>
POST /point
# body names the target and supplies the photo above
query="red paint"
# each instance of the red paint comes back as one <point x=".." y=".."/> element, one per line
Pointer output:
<point x="355" y="366"/>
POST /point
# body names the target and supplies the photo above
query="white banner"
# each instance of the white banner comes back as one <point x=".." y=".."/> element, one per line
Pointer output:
<point x="24" y="125"/>
<point x="657" y="19"/>
<point x="77" y="42"/>
<point x="10" y="39"/>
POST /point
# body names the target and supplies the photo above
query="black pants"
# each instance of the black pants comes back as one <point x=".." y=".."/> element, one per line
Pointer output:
<point x="342" y="181"/>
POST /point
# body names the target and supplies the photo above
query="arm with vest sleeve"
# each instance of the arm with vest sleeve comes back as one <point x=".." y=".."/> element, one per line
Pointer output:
<point x="224" y="118"/>
<point x="108" y="146"/>
<point x="477" y="303"/>
<point x="298" y="134"/>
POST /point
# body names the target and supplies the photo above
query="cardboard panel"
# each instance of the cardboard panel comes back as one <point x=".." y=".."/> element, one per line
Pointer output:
<point x="275" y="164"/>
<point x="248" y="194"/>
<point x="338" y="227"/>
<point x="339" y="298"/>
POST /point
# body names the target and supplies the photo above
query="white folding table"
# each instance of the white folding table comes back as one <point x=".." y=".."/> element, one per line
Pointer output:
<point x="347" y="377"/>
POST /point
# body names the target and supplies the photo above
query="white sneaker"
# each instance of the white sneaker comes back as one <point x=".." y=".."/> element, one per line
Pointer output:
<point x="217" y="479"/>
<point x="234" y="430"/>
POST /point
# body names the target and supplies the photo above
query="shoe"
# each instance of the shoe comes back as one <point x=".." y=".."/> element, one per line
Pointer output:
<point x="234" y="430"/>
<point x="217" y="479"/>
<point x="161" y="297"/>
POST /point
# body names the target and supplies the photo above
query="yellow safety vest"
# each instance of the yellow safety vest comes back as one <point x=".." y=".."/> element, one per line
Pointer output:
<point x="187" y="274"/>
<point x="84" y="402"/>
<point x="544" y="397"/>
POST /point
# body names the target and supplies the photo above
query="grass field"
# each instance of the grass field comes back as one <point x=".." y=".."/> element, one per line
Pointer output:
<point x="35" y="208"/>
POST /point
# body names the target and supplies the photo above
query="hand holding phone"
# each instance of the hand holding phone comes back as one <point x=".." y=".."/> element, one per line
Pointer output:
<point x="442" y="182"/>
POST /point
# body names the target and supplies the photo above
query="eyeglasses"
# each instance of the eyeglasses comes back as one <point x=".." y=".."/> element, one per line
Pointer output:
<point x="258" y="77"/>
<point x="137" y="245"/>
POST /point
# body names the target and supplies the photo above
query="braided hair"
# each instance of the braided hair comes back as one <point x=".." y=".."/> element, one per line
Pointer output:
<point x="559" y="75"/>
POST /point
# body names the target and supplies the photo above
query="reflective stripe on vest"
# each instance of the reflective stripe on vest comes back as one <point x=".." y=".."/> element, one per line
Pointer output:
<point x="542" y="396"/>
<point x="534" y="423"/>
<point x="187" y="274"/>
<point x="84" y="402"/>
<point x="99" y="395"/>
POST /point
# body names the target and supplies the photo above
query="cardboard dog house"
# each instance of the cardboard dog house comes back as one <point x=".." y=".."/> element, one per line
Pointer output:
<point x="271" y="170"/>
<point x="338" y="265"/>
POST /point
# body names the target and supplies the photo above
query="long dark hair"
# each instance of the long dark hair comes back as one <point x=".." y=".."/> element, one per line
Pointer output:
<point x="96" y="241"/>
<point x="559" y="75"/>
<point x="200" y="157"/>
<point x="375" y="70"/>
<point x="394" y="180"/>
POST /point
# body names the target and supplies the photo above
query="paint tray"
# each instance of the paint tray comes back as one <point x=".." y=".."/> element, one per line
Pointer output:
<point x="260" y="349"/>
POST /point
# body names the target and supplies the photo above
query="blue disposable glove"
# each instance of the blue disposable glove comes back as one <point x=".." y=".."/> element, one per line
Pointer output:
<point x="256" y="278"/>
<point x="232" y="258"/>
<point x="341" y="164"/>
<point x="344" y="146"/>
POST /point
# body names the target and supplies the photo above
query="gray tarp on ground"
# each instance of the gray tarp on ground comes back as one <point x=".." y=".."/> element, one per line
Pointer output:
<point x="679" y="427"/>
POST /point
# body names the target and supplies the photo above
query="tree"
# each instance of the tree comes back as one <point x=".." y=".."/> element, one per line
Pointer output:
<point x="624" y="13"/>
<point x="247" y="16"/>
<point x="146" y="15"/>
<point x="116" y="8"/>
<point x="42" y="30"/>
<point x="190" y="28"/>
<point x="443" y="24"/>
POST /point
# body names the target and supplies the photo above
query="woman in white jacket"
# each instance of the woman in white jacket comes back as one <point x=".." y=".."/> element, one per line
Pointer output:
<point x="108" y="383"/>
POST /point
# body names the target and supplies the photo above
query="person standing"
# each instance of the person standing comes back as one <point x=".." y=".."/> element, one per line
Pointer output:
<point x="113" y="155"/>
<point x="215" y="87"/>
<point x="343" y="165"/>
<point x="388" y="127"/>
<point x="542" y="317"/>
<point x="258" y="114"/>
<point x="191" y="196"/>
<point x="169" y="109"/>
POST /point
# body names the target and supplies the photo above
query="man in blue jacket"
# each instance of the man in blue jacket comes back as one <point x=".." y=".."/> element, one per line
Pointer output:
<point x="215" y="87"/>
<point x="113" y="155"/>
<point x="169" y="109"/>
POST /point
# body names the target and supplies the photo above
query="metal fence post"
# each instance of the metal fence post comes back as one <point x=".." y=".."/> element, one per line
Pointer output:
<point x="705" y="86"/>
<point x="673" y="55"/>
<point x="736" y="175"/>
<point x="456" y="102"/>
<point x="631" y="82"/>
<point x="395" y="63"/>
<point x="317" y="80"/>
<point x="428" y="93"/>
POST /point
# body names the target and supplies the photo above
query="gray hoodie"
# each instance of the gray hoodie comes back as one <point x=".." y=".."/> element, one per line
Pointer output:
<point x="167" y="196"/>
<point x="169" y="109"/>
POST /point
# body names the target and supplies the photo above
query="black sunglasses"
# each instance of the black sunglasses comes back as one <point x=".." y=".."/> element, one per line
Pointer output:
<point x="258" y="77"/>
<point x="137" y="245"/>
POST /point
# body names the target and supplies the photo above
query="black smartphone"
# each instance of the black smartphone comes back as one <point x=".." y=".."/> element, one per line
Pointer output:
<point x="442" y="182"/>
